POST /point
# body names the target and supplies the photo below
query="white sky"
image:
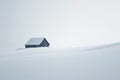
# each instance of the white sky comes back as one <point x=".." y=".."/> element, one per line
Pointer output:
<point x="65" y="23"/>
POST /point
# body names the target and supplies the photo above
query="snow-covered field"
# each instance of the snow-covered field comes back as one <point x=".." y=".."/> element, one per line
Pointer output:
<point x="100" y="63"/>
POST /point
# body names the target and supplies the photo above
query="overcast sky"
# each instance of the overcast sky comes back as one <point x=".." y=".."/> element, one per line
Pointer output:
<point x="65" y="23"/>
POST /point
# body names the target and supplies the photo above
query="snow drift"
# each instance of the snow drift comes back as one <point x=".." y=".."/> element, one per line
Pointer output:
<point x="99" y="63"/>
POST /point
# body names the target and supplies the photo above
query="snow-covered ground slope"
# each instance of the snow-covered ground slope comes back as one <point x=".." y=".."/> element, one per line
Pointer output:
<point x="100" y="63"/>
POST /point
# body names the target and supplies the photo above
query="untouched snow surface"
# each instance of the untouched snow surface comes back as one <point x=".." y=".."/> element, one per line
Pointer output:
<point x="100" y="63"/>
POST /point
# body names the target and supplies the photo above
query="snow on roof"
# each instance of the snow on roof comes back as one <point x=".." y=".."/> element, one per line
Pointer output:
<point x="34" y="41"/>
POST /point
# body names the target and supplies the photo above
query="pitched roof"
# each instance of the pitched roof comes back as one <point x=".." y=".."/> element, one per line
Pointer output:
<point x="35" y="41"/>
